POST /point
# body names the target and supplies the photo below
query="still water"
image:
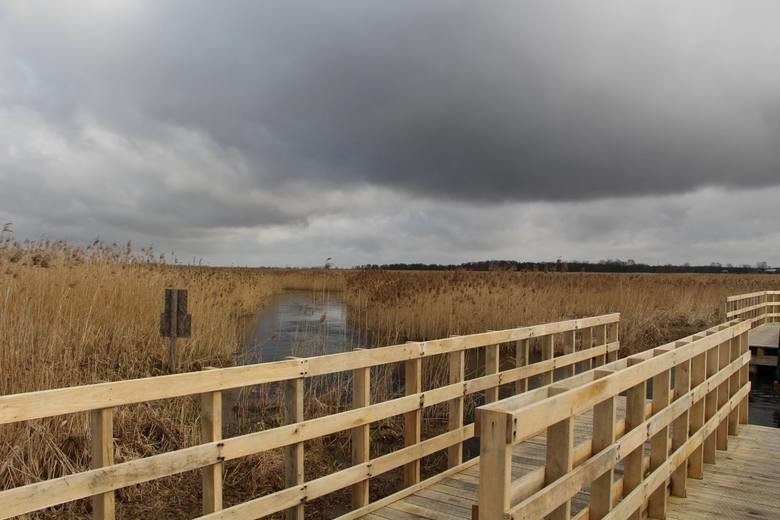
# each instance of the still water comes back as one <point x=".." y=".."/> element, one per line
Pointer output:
<point x="303" y="324"/>
<point x="764" y="408"/>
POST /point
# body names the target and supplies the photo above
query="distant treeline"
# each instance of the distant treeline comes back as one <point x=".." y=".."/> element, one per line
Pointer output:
<point x="603" y="266"/>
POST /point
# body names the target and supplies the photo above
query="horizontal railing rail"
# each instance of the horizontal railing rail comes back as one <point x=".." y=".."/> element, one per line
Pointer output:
<point x="758" y="307"/>
<point x="536" y="355"/>
<point x="699" y="396"/>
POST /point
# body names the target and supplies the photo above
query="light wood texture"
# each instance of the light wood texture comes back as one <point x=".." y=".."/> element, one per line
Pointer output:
<point x="361" y="398"/>
<point x="210" y="431"/>
<point x="413" y="419"/>
<point x="294" y="459"/>
<point x="101" y="427"/>
<point x="457" y="365"/>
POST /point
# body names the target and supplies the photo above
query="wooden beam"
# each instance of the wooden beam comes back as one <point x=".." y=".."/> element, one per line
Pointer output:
<point x="413" y="419"/>
<point x="560" y="460"/>
<point x="495" y="465"/>
<point x="603" y="436"/>
<point x="210" y="431"/>
<point x="455" y="406"/>
<point x="659" y="443"/>
<point x="680" y="427"/>
<point x="521" y="360"/>
<point x="361" y="397"/>
<point x="711" y="404"/>
<point x="635" y="416"/>
<point x="101" y="427"/>
<point x="491" y="367"/>
<point x="294" y="455"/>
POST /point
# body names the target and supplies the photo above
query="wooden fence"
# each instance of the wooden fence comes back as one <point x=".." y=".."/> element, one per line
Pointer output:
<point x="758" y="307"/>
<point x="510" y="362"/>
<point x="699" y="396"/>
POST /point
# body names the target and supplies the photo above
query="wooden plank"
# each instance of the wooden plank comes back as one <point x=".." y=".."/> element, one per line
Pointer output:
<point x="211" y="431"/>
<point x="696" y="414"/>
<point x="496" y="454"/>
<point x="413" y="419"/>
<point x="521" y="360"/>
<point x="101" y="427"/>
<point x="659" y="443"/>
<point x="548" y="352"/>
<point x="457" y="365"/>
<point x="680" y="426"/>
<point x="48" y="403"/>
<point x="361" y="397"/>
<point x="559" y="460"/>
<point x="635" y="416"/>
<point x="711" y="404"/>
<point x="603" y="436"/>
<point x="294" y="456"/>
<point x="568" y="346"/>
<point x="491" y="367"/>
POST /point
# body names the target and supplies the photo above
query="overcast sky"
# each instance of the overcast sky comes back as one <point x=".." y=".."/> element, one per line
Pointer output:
<point x="282" y="133"/>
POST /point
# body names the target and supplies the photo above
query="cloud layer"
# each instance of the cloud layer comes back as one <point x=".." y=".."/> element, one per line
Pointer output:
<point x="452" y="130"/>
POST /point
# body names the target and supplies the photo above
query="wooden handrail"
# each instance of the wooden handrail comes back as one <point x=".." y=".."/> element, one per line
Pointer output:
<point x="49" y="403"/>
<point x="601" y="345"/>
<point x="713" y="403"/>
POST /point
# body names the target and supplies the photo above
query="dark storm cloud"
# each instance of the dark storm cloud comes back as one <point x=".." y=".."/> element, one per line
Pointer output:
<point x="482" y="101"/>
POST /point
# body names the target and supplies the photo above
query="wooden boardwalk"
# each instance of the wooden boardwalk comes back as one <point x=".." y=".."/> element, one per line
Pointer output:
<point x="745" y="483"/>
<point x="453" y="497"/>
<point x="763" y="342"/>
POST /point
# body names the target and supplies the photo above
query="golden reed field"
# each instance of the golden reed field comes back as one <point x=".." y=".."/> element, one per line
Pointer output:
<point x="71" y="316"/>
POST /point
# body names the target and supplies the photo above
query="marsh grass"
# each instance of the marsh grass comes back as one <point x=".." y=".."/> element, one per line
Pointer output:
<point x="72" y="316"/>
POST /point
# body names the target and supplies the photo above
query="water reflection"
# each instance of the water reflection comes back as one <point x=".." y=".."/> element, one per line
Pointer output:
<point x="764" y="408"/>
<point x="300" y="323"/>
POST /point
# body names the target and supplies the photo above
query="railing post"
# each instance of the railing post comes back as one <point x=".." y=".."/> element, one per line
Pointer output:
<point x="711" y="405"/>
<point x="455" y="407"/>
<point x="603" y="435"/>
<point x="413" y="419"/>
<point x="361" y="396"/>
<point x="210" y="431"/>
<point x="744" y="377"/>
<point x="586" y="343"/>
<point x="559" y="460"/>
<point x="635" y="415"/>
<point x="569" y="345"/>
<point x="722" y="435"/>
<point x="491" y="367"/>
<point x="521" y="360"/>
<point x="548" y="352"/>
<point x="697" y="413"/>
<point x="495" y="450"/>
<point x="294" y="457"/>
<point x="101" y="427"/>
<point x="733" y="386"/>
<point x="601" y="340"/>
<point x="682" y="385"/>
<point x="613" y="335"/>
<point x="659" y="444"/>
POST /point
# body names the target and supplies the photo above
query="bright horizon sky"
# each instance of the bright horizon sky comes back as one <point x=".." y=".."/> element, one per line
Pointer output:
<point x="284" y="133"/>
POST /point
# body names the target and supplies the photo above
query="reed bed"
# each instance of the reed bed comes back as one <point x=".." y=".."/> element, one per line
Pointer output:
<point x="72" y="316"/>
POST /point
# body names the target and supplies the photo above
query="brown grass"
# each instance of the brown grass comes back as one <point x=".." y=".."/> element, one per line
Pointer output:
<point x="81" y="315"/>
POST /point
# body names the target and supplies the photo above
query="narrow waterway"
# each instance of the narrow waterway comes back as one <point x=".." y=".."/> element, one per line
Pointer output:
<point x="303" y="324"/>
<point x="764" y="407"/>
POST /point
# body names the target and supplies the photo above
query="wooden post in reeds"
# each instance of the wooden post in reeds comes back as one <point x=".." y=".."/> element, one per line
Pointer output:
<point x="175" y="323"/>
<point x="101" y="428"/>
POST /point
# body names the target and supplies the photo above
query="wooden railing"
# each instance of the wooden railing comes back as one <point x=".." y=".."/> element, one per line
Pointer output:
<point x="758" y="307"/>
<point x="541" y="354"/>
<point x="699" y="396"/>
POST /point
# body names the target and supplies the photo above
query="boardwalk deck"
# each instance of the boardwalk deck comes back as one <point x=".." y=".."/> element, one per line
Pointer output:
<point x="764" y="344"/>
<point x="454" y="497"/>
<point x="745" y="483"/>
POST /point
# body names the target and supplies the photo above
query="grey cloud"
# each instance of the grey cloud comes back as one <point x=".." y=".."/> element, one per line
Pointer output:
<point x="495" y="101"/>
